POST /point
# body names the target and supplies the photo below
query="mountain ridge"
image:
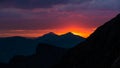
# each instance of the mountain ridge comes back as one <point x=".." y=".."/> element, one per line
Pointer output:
<point x="64" y="39"/>
<point x="17" y="45"/>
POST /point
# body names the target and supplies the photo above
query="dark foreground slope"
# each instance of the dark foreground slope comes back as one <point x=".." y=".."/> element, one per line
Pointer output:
<point x="100" y="50"/>
<point x="12" y="46"/>
<point x="45" y="57"/>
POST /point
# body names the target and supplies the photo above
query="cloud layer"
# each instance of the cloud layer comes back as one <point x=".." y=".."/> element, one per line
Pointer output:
<point x="55" y="14"/>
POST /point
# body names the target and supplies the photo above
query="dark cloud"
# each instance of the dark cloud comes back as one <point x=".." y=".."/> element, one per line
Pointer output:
<point x="21" y="24"/>
<point x="78" y="1"/>
<point x="84" y="4"/>
<point x="92" y="5"/>
<point x="30" y="3"/>
<point x="36" y="3"/>
<point x="35" y="19"/>
<point x="26" y="20"/>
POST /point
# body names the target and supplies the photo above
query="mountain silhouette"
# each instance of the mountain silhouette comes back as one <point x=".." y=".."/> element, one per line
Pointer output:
<point x="69" y="35"/>
<point x="48" y="38"/>
<point x="52" y="34"/>
<point x="100" y="50"/>
<point x="45" y="57"/>
<point x="16" y="45"/>
<point x="70" y="40"/>
<point x="11" y="46"/>
<point x="67" y="40"/>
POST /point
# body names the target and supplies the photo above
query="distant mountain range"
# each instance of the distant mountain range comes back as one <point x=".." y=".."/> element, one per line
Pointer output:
<point x="100" y="50"/>
<point x="11" y="46"/>
<point x="67" y="40"/>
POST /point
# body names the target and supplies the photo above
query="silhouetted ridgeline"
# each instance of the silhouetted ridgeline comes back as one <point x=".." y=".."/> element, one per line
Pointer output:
<point x="12" y="46"/>
<point x="100" y="50"/>
<point x="67" y="40"/>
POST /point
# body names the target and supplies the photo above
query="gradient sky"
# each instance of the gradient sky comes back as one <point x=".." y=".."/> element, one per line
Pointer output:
<point x="32" y="18"/>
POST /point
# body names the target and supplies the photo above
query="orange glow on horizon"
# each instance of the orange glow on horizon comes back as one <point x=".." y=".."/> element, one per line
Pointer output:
<point x="84" y="32"/>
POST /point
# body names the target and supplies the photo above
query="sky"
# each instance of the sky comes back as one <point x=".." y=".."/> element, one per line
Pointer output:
<point x="33" y="18"/>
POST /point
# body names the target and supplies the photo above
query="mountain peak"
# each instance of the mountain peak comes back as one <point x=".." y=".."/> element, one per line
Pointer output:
<point x="51" y="34"/>
<point x="69" y="33"/>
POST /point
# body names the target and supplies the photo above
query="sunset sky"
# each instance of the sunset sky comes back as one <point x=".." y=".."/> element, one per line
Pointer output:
<point x="33" y="18"/>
